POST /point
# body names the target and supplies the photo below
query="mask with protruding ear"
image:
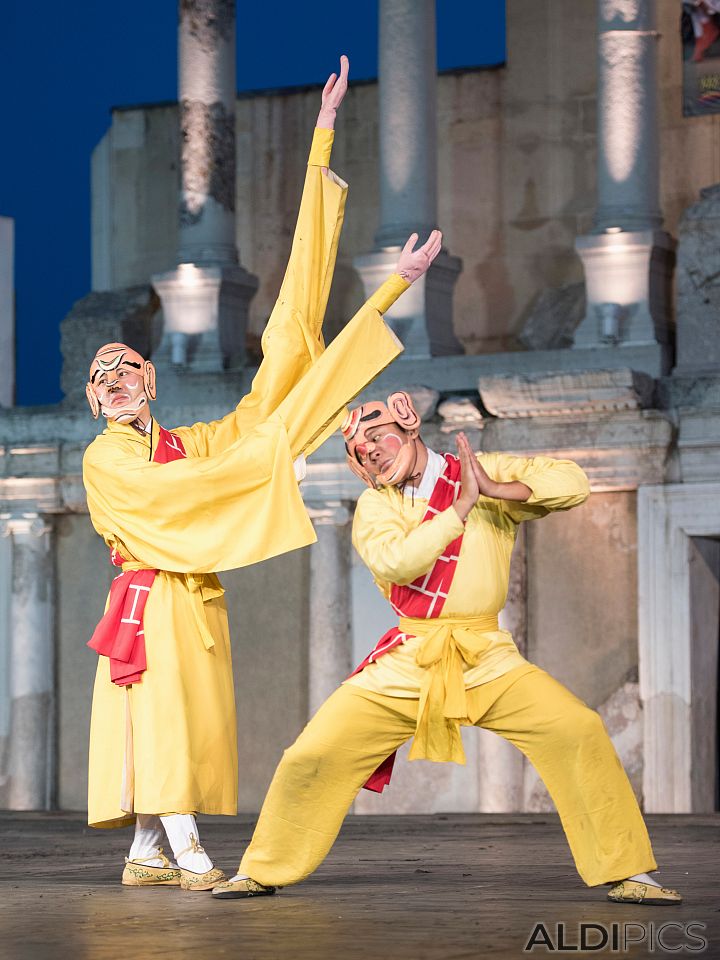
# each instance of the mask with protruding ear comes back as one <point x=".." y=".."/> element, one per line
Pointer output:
<point x="92" y="400"/>
<point x="149" y="378"/>
<point x="398" y="409"/>
<point x="403" y="412"/>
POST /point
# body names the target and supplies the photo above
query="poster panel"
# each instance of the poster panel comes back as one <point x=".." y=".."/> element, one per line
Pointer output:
<point x="700" y="28"/>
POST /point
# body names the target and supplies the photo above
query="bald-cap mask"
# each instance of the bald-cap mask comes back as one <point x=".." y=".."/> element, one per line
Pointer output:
<point x="121" y="384"/>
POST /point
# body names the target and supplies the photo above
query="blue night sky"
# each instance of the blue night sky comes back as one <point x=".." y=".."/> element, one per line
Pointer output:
<point x="63" y="66"/>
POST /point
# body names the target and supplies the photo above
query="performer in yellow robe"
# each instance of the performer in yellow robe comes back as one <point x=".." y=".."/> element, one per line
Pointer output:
<point x="437" y="534"/>
<point x="222" y="495"/>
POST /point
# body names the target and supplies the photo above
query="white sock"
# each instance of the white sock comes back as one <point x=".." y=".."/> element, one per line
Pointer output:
<point x="644" y="878"/>
<point x="182" y="833"/>
<point x="148" y="838"/>
<point x="239" y="876"/>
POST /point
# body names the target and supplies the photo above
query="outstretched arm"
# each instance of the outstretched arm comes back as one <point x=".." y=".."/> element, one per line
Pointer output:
<point x="367" y="345"/>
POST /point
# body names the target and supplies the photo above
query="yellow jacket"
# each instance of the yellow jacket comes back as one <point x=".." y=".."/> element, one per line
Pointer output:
<point x="463" y="647"/>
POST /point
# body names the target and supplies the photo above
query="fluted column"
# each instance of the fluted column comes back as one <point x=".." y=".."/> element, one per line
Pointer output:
<point x="330" y="637"/>
<point x="407" y="81"/>
<point x="206" y="299"/>
<point x="627" y="258"/>
<point x="30" y="650"/>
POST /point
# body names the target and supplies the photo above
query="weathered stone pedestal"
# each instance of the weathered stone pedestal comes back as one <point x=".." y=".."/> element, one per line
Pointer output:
<point x="205" y="299"/>
<point x="627" y="258"/>
<point x="628" y="277"/>
<point x="205" y="313"/>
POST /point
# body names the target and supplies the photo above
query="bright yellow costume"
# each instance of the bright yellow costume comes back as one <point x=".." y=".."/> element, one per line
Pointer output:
<point x="168" y="743"/>
<point x="457" y="665"/>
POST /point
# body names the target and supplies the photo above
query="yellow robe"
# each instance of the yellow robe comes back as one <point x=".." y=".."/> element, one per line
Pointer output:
<point x="168" y="743"/>
<point x="397" y="548"/>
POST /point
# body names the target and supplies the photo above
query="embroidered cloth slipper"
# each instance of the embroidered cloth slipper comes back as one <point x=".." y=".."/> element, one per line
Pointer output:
<point x="138" y="873"/>
<point x="632" y="891"/>
<point x="239" y="889"/>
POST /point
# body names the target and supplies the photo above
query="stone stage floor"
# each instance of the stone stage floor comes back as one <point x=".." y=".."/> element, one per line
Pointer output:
<point x="393" y="888"/>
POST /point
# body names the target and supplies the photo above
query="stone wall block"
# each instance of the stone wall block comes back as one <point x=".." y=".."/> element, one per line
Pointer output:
<point x="573" y="393"/>
<point x="554" y="318"/>
<point x="698" y="286"/>
<point x="125" y="316"/>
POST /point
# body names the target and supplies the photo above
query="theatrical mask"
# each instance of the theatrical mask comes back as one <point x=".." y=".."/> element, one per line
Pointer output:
<point x="121" y="384"/>
<point x="364" y="422"/>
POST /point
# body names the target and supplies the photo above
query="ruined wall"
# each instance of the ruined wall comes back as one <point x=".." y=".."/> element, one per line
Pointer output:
<point x="516" y="174"/>
<point x="582" y="618"/>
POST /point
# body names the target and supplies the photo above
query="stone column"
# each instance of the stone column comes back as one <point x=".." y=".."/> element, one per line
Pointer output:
<point x="30" y="755"/>
<point x="7" y="310"/>
<point x="330" y="643"/>
<point x="408" y="176"/>
<point x="205" y="300"/>
<point x="501" y="770"/>
<point x="628" y="259"/>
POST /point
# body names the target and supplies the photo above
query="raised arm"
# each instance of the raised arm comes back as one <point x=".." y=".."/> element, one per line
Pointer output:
<point x="292" y="339"/>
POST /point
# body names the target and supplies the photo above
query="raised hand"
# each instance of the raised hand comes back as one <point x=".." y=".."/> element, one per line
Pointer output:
<point x="333" y="94"/>
<point x="414" y="263"/>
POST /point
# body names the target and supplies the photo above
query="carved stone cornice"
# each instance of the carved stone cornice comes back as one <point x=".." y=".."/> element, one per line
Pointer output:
<point x="619" y="451"/>
<point x="566" y="394"/>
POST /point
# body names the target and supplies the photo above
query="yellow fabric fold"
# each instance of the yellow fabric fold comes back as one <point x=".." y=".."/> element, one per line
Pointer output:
<point x="202" y="588"/>
<point x="321" y="148"/>
<point x="386" y="295"/>
<point x="446" y="643"/>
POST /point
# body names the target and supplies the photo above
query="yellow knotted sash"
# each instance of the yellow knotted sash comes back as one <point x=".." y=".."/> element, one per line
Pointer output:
<point x="201" y="587"/>
<point x="446" y="643"/>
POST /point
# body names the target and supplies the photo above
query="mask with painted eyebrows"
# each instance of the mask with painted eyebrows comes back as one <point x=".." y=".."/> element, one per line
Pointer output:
<point x="121" y="384"/>
<point x="361" y="424"/>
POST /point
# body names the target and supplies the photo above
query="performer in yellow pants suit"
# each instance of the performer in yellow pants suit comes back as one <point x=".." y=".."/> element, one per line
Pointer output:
<point x="437" y="533"/>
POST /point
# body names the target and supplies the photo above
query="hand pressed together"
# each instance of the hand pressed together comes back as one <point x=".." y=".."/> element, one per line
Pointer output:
<point x="475" y="483"/>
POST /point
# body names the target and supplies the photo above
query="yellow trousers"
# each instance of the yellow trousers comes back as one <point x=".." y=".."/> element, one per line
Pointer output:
<point x="355" y="729"/>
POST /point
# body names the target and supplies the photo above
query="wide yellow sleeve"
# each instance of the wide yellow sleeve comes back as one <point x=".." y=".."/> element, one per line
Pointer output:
<point x="292" y="339"/>
<point x="199" y="515"/>
<point x="364" y="345"/>
<point x="555" y="484"/>
<point x="392" y="552"/>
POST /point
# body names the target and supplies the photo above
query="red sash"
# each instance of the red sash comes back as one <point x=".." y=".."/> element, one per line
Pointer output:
<point x="120" y="634"/>
<point x="425" y="597"/>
